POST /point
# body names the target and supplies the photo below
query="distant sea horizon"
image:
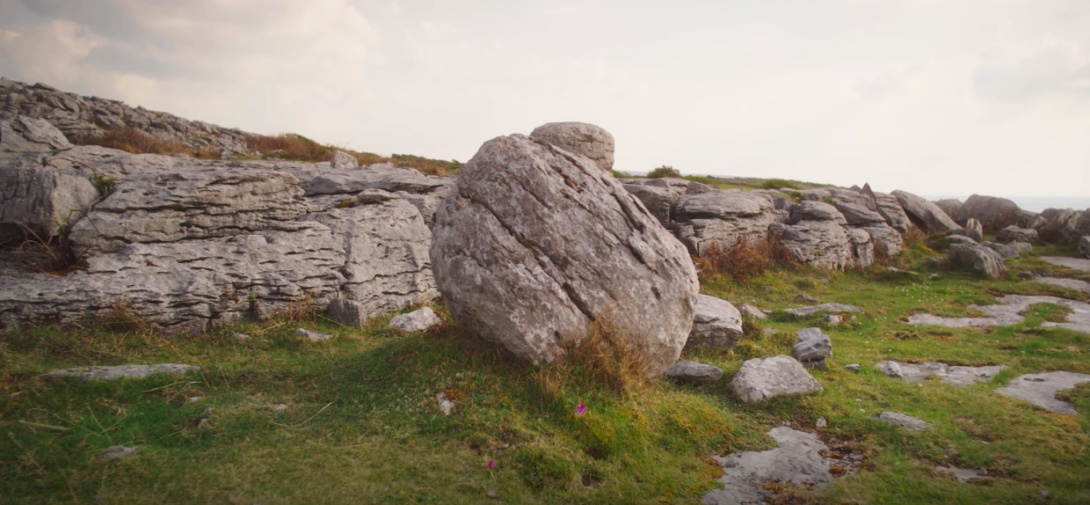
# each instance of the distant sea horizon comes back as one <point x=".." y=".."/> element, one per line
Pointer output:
<point x="1032" y="203"/>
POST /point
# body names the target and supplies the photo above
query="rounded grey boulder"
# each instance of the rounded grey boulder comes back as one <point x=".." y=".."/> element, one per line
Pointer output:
<point x="533" y="244"/>
<point x="578" y="138"/>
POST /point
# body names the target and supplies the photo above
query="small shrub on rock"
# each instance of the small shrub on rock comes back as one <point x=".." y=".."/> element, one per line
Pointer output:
<point x="663" y="172"/>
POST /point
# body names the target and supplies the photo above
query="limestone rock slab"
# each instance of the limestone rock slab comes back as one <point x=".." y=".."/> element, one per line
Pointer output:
<point x="691" y="371"/>
<point x="1040" y="389"/>
<point x="760" y="379"/>
<point x="121" y="372"/>
<point x="716" y="324"/>
<point x="924" y="214"/>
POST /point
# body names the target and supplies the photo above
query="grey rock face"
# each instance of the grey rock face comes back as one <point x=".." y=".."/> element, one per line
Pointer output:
<point x="382" y="176"/>
<point x="1015" y="234"/>
<point x="1084" y="246"/>
<point x="716" y="324"/>
<point x="994" y="213"/>
<point x="908" y="422"/>
<point x="533" y="244"/>
<point x="81" y="116"/>
<point x="981" y="259"/>
<point x="1081" y="229"/>
<point x="952" y="239"/>
<point x="812" y="347"/>
<point x="42" y="200"/>
<point x="1011" y="250"/>
<point x="691" y="371"/>
<point x="417" y="320"/>
<point x="890" y="208"/>
<point x="973" y="229"/>
<point x="759" y="379"/>
<point x="810" y="210"/>
<point x="347" y="312"/>
<point x="952" y="208"/>
<point x="1040" y="389"/>
<point x="800" y="458"/>
<point x="886" y="238"/>
<point x="25" y="133"/>
<point x="150" y="207"/>
<point x="924" y="214"/>
<point x="1032" y="220"/>
<point x="960" y="376"/>
<point x="724" y="218"/>
<point x="1059" y="224"/>
<point x="823" y="244"/>
<point x="342" y="159"/>
<point x="121" y="372"/>
<point x="579" y="138"/>
<point x="659" y="200"/>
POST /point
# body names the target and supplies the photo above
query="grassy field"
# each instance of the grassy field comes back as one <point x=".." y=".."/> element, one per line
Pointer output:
<point x="362" y="424"/>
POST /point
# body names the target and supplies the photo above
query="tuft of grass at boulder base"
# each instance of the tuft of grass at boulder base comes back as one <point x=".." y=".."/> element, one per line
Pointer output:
<point x="362" y="424"/>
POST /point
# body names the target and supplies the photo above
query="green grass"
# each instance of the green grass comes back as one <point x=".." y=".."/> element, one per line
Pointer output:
<point x="363" y="425"/>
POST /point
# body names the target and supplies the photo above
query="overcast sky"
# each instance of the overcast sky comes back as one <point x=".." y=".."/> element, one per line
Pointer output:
<point x="930" y="96"/>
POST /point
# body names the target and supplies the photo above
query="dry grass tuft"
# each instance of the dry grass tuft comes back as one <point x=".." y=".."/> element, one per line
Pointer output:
<point x="605" y="356"/>
<point x="121" y="317"/>
<point x="132" y="140"/>
<point x="745" y="260"/>
<point x="915" y="237"/>
<point x="289" y="146"/>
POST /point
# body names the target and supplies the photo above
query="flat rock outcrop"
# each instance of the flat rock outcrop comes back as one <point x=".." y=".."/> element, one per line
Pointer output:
<point x="800" y="458"/>
<point x="1009" y="311"/>
<point x="121" y="372"/>
<point x="697" y="373"/>
<point x="533" y="245"/>
<point x="185" y="243"/>
<point x="924" y="214"/>
<point x="994" y="213"/>
<point x="579" y="138"/>
<point x="1040" y="389"/>
<point x="87" y="116"/>
<point x="960" y="376"/>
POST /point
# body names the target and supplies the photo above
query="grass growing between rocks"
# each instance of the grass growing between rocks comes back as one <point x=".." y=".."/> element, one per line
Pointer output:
<point x="362" y="424"/>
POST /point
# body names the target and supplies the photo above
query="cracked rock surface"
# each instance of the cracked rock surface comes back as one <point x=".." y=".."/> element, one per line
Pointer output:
<point x="799" y="459"/>
<point x="1007" y="312"/>
<point x="1040" y="389"/>
<point x="534" y="243"/>
<point x="961" y="376"/>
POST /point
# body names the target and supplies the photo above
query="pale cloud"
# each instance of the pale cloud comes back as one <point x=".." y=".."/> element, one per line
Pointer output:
<point x="906" y="94"/>
<point x="1030" y="69"/>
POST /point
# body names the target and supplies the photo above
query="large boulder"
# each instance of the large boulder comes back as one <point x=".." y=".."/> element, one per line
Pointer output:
<point x="952" y="208"/>
<point x="716" y="324"/>
<point x="579" y="138"/>
<point x="1013" y="233"/>
<point x="994" y="213"/>
<point x="1081" y="229"/>
<point x="533" y="245"/>
<point x="981" y="259"/>
<point x="25" y="133"/>
<point x="39" y="201"/>
<point x="1059" y="223"/>
<point x="924" y="214"/>
<point x="1084" y="246"/>
<point x="761" y="379"/>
